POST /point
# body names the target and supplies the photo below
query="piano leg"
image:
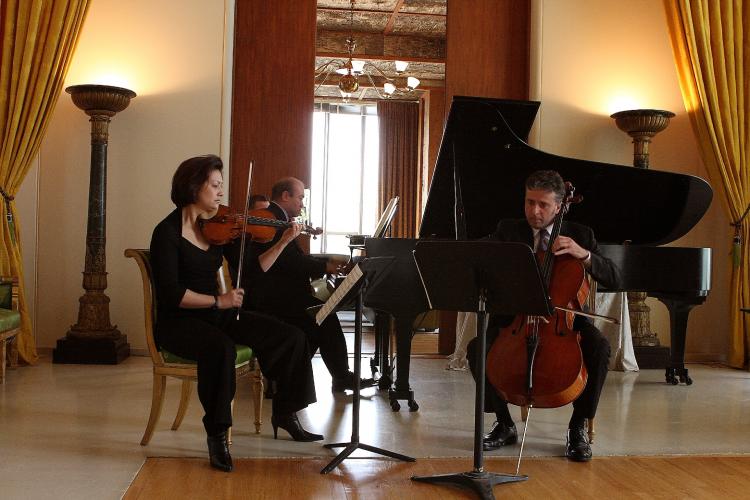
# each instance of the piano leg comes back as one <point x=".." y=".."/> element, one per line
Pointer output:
<point x="678" y="319"/>
<point x="382" y="359"/>
<point x="402" y="390"/>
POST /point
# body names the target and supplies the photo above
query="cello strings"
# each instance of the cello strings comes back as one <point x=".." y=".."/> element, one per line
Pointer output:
<point x="523" y="439"/>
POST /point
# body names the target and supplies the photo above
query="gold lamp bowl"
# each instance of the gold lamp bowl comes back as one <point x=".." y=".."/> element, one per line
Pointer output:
<point x="642" y="125"/>
<point x="100" y="99"/>
<point x="642" y="121"/>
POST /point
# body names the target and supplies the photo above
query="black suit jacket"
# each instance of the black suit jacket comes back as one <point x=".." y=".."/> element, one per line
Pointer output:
<point x="286" y="285"/>
<point x="602" y="269"/>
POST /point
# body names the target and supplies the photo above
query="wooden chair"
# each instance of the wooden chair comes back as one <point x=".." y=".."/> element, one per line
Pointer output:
<point x="167" y="364"/>
<point x="10" y="324"/>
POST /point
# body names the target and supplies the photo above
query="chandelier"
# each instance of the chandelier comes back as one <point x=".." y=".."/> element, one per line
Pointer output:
<point x="351" y="69"/>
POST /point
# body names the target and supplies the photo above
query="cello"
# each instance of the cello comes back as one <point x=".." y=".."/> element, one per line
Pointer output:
<point x="536" y="361"/>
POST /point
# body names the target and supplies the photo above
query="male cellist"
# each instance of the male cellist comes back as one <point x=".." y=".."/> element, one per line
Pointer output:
<point x="545" y="191"/>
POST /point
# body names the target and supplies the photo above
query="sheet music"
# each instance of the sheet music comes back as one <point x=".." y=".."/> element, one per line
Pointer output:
<point x="338" y="295"/>
<point x="385" y="218"/>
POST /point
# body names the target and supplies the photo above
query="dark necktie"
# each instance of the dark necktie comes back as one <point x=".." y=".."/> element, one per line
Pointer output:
<point x="543" y="240"/>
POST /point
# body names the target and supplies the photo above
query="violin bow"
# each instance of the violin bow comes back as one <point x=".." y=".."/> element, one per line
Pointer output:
<point x="244" y="234"/>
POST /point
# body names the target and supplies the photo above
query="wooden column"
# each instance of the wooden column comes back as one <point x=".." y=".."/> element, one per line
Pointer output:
<point x="435" y="114"/>
<point x="487" y="51"/>
<point x="272" y="99"/>
<point x="487" y="55"/>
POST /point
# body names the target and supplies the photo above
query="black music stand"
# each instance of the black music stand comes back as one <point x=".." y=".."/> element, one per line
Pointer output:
<point x="373" y="270"/>
<point x="481" y="277"/>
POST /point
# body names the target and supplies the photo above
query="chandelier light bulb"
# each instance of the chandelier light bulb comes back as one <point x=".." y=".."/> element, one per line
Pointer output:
<point x="389" y="88"/>
<point x="412" y="83"/>
<point x="358" y="67"/>
<point x="401" y="66"/>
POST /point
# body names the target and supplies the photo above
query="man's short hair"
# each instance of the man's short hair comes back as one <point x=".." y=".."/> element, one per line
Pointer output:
<point x="256" y="198"/>
<point x="547" y="180"/>
<point x="285" y="184"/>
<point x="190" y="177"/>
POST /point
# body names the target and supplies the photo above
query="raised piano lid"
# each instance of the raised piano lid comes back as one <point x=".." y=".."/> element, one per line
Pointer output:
<point x="482" y="138"/>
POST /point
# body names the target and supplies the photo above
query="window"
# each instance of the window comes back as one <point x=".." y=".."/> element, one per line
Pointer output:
<point x="343" y="196"/>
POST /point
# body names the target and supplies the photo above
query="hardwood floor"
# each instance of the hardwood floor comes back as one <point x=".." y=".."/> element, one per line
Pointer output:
<point x="666" y="477"/>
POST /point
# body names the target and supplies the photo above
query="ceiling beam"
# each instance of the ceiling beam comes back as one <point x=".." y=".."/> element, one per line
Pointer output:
<point x="373" y="11"/>
<point x="379" y="57"/>
<point x="427" y="49"/>
<point x="392" y="18"/>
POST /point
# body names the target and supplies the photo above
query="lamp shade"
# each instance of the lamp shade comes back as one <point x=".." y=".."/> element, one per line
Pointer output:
<point x="389" y="88"/>
<point x="358" y="67"/>
<point x="412" y="83"/>
<point x="401" y="66"/>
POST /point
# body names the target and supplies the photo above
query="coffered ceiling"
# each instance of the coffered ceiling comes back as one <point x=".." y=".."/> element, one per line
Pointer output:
<point x="384" y="31"/>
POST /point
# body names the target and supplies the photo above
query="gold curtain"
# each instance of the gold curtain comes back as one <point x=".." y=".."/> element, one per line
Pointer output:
<point x="709" y="38"/>
<point x="399" y="164"/>
<point x="38" y="40"/>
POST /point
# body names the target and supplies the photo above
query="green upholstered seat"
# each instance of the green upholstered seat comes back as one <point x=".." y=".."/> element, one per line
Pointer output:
<point x="9" y="320"/>
<point x="244" y="354"/>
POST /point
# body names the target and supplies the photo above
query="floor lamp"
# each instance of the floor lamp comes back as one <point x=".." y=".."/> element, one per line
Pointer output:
<point x="642" y="125"/>
<point x="93" y="339"/>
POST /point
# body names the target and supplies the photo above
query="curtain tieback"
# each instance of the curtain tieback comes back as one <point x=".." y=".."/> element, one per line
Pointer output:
<point x="7" y="198"/>
<point x="737" y="239"/>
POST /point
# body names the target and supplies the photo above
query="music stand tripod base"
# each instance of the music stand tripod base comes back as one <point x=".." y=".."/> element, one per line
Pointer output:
<point x="464" y="276"/>
<point x="481" y="482"/>
<point x="374" y="266"/>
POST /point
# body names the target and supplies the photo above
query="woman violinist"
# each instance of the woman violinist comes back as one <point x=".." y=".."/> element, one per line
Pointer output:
<point x="195" y="322"/>
<point x="545" y="190"/>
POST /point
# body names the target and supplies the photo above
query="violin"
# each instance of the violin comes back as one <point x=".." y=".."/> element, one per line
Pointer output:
<point x="536" y="361"/>
<point x="261" y="225"/>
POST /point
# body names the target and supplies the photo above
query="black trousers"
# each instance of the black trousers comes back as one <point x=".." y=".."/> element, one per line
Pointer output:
<point x="595" y="349"/>
<point x="210" y="339"/>
<point x="328" y="337"/>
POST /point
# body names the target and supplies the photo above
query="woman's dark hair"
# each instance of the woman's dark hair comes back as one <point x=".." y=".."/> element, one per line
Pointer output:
<point x="547" y="180"/>
<point x="190" y="177"/>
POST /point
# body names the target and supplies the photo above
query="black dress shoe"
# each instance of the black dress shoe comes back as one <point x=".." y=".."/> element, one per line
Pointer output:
<point x="501" y="434"/>
<point x="218" y="452"/>
<point x="341" y="384"/>
<point x="577" y="447"/>
<point x="290" y="423"/>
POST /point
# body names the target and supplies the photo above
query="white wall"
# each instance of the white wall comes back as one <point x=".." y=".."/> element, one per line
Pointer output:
<point x="170" y="53"/>
<point x="598" y="57"/>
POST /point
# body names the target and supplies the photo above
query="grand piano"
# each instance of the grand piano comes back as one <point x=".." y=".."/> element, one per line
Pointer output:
<point x="632" y="211"/>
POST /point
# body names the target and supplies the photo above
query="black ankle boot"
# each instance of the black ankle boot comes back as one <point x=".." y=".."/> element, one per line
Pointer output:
<point x="577" y="447"/>
<point x="502" y="434"/>
<point x="290" y="423"/>
<point x="218" y="452"/>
